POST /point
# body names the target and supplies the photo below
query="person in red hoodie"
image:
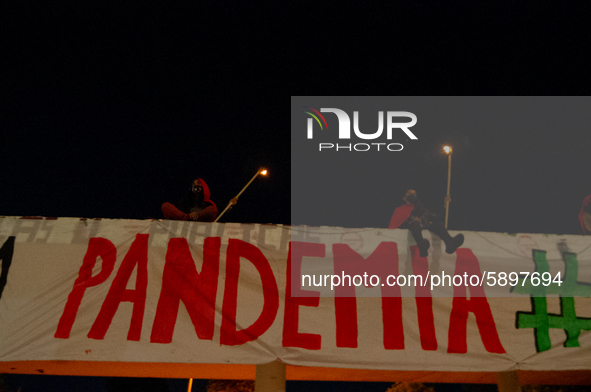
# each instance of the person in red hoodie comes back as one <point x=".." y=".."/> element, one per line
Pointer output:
<point x="585" y="215"/>
<point x="196" y="205"/>
<point x="415" y="217"/>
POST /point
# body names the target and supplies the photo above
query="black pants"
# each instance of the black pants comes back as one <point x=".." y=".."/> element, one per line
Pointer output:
<point x="416" y="228"/>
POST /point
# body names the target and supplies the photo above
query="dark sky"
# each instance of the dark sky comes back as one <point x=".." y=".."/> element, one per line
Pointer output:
<point x="110" y="114"/>
<point x="110" y="110"/>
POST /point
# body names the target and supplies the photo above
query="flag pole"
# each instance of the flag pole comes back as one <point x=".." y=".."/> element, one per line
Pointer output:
<point x="448" y="151"/>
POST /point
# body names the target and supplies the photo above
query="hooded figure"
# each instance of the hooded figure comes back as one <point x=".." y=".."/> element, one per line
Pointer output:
<point x="585" y="215"/>
<point x="414" y="216"/>
<point x="195" y="205"/>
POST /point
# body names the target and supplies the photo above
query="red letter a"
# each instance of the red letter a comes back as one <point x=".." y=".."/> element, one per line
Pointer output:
<point x="466" y="262"/>
<point x="137" y="254"/>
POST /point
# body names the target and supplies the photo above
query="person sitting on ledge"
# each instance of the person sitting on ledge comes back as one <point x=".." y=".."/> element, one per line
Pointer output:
<point x="195" y="205"/>
<point x="415" y="217"/>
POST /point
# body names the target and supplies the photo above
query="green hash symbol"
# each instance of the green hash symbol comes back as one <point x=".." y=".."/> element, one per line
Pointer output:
<point x="539" y="319"/>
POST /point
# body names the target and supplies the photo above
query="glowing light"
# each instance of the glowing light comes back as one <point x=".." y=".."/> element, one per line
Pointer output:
<point x="447" y="149"/>
<point x="264" y="172"/>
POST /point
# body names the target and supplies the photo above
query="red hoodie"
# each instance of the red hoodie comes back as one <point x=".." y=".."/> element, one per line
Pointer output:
<point x="207" y="210"/>
<point x="206" y="193"/>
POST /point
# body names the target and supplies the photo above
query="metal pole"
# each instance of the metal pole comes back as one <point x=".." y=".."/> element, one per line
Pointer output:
<point x="270" y="377"/>
<point x="508" y="382"/>
<point x="448" y="182"/>
<point x="230" y="204"/>
<point x="190" y="385"/>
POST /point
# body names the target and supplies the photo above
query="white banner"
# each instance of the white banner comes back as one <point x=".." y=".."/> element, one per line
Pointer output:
<point x="191" y="292"/>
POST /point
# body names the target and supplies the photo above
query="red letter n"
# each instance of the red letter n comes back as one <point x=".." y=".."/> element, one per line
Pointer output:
<point x="181" y="282"/>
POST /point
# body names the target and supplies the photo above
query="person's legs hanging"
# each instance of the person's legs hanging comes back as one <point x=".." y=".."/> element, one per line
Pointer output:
<point x="416" y="230"/>
<point x="451" y="243"/>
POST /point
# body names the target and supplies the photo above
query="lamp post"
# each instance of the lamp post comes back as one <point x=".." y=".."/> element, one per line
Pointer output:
<point x="448" y="151"/>
<point x="235" y="199"/>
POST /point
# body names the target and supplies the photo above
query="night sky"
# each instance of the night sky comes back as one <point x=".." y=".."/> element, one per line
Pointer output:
<point x="109" y="111"/>
<point x="108" y="115"/>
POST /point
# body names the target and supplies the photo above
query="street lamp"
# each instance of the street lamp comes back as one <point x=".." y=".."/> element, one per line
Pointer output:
<point x="448" y="151"/>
